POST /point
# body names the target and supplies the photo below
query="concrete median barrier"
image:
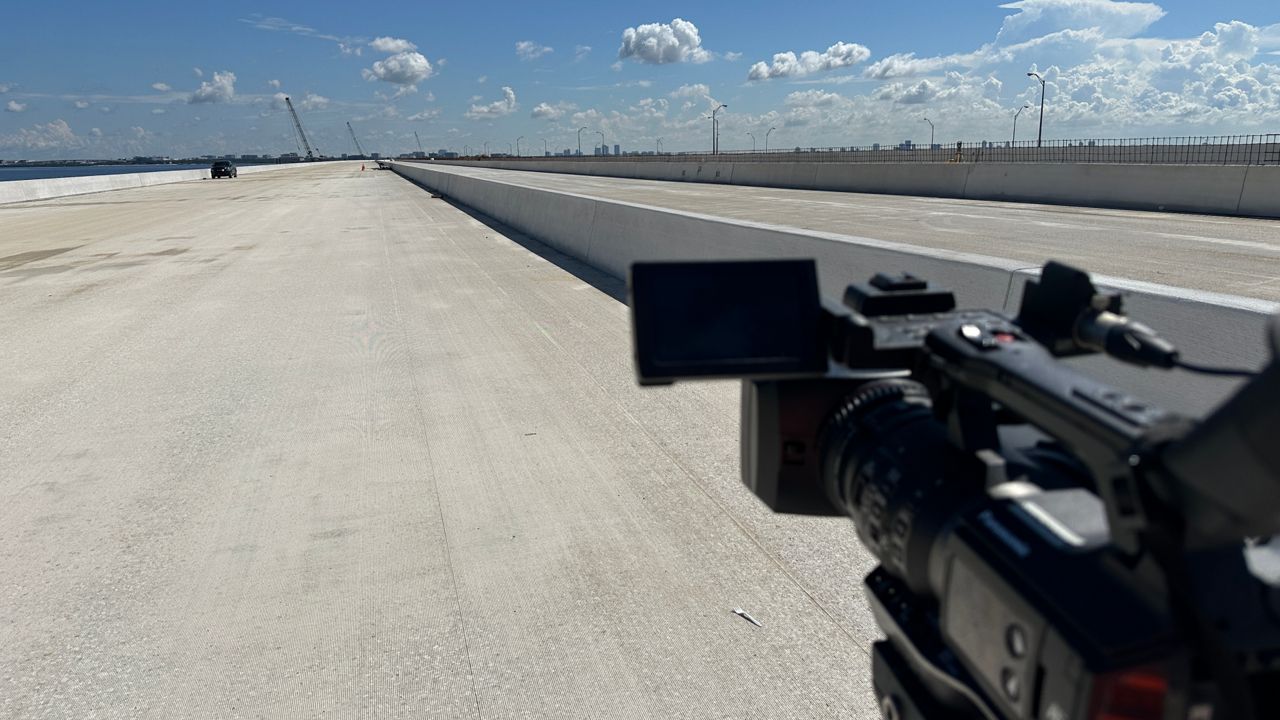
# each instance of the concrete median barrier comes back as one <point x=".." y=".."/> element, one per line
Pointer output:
<point x="1252" y="191"/>
<point x="611" y="235"/>
<point x="1180" y="188"/>
<point x="48" y="188"/>
<point x="1260" y="196"/>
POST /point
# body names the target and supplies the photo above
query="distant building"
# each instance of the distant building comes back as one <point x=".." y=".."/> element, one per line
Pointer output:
<point x="617" y="149"/>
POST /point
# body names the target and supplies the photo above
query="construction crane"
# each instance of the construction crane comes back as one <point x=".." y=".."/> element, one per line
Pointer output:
<point x="359" y="149"/>
<point x="297" y="125"/>
<point x="415" y="137"/>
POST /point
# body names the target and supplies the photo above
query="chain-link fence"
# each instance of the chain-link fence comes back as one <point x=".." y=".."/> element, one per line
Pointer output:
<point x="1201" y="150"/>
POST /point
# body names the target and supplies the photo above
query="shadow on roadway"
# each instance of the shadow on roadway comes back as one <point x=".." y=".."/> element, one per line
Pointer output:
<point x="600" y="280"/>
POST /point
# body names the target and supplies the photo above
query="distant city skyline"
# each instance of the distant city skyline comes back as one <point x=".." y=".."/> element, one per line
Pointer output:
<point x="94" y="80"/>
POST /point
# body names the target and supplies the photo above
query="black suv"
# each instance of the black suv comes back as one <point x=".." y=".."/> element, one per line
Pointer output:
<point x="223" y="168"/>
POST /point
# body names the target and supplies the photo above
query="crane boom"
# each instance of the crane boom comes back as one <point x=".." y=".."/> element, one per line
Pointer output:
<point x="297" y="125"/>
<point x="354" y="140"/>
<point x="415" y="137"/>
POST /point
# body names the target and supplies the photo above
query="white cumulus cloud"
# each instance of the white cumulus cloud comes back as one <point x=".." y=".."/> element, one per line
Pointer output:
<point x="403" y="68"/>
<point x="1037" y="18"/>
<point x="219" y="89"/>
<point x="312" y="101"/>
<point x="581" y="52"/>
<point x="56" y="135"/>
<point x="14" y="106"/>
<point x="495" y="109"/>
<point x="813" y="98"/>
<point x="81" y="104"/>
<point x="697" y="90"/>
<point x="1037" y="27"/>
<point x="530" y="50"/>
<point x="391" y="46"/>
<point x="162" y="87"/>
<point x="274" y="83"/>
<point x="662" y="43"/>
<point x="789" y="65"/>
<point x="428" y="114"/>
<point x="547" y="111"/>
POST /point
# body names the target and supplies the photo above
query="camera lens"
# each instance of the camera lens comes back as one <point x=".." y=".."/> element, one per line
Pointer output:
<point x="891" y="467"/>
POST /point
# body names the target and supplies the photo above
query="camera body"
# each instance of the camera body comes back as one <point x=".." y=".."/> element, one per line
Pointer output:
<point x="1050" y="546"/>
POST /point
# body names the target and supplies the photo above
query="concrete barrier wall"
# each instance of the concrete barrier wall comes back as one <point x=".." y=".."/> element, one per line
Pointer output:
<point x="1182" y="188"/>
<point x="1261" y="194"/>
<point x="45" y="189"/>
<point x="1252" y="191"/>
<point x="611" y="235"/>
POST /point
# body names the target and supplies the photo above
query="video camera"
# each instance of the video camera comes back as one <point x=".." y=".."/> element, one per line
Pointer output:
<point x="1050" y="547"/>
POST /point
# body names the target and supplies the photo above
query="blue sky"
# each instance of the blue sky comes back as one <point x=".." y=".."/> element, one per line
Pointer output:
<point x="91" y="79"/>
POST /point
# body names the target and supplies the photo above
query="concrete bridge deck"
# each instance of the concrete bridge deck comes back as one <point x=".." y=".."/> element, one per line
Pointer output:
<point x="1234" y="256"/>
<point x="316" y="444"/>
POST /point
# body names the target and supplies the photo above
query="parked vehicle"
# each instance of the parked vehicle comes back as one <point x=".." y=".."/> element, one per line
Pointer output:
<point x="223" y="168"/>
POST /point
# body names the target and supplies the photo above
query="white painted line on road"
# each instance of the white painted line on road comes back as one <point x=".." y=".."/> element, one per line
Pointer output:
<point x="1265" y="247"/>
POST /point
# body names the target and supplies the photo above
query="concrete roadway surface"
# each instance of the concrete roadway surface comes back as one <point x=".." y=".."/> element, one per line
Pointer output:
<point x="314" y="444"/>
<point x="1235" y="256"/>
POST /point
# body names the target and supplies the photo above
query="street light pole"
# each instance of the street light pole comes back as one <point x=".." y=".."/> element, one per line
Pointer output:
<point x="753" y="142"/>
<point x="715" y="130"/>
<point x="1015" y="120"/>
<point x="602" y="150"/>
<point x="1040" y="133"/>
<point x="766" y="138"/>
<point x="580" y="140"/>
<point x="518" y="145"/>
<point x="657" y="147"/>
<point x="486" y="148"/>
<point x="545" y="151"/>
<point x="509" y="150"/>
<point x="930" y="132"/>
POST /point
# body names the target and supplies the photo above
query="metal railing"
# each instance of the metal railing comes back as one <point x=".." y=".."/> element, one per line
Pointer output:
<point x="1199" y="150"/>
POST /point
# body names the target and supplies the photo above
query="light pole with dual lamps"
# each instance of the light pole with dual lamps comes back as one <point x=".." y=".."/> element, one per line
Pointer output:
<point x="715" y="129"/>
<point x="766" y="138"/>
<point x="1040" y="132"/>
